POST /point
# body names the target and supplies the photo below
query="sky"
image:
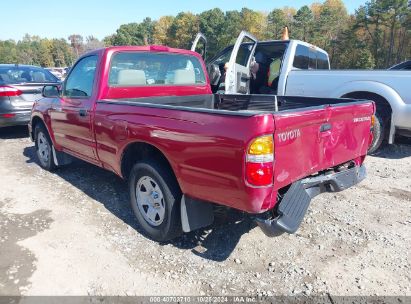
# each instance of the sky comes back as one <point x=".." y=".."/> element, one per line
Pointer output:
<point x="100" y="18"/>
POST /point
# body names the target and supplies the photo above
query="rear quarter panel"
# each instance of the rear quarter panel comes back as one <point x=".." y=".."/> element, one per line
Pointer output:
<point x="205" y="150"/>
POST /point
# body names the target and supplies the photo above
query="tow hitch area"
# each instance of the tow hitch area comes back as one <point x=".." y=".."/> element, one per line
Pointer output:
<point x="294" y="205"/>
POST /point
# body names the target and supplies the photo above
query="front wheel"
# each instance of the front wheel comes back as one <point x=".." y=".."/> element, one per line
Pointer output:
<point x="44" y="148"/>
<point x="155" y="199"/>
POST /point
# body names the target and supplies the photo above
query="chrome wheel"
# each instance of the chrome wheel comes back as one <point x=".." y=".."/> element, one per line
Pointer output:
<point x="150" y="201"/>
<point x="43" y="147"/>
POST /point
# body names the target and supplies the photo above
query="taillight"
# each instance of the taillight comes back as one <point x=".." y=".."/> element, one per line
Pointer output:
<point x="373" y="118"/>
<point x="259" y="161"/>
<point x="8" y="115"/>
<point x="9" y="91"/>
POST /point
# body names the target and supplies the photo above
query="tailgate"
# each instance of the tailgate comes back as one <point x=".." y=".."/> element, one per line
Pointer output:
<point x="314" y="139"/>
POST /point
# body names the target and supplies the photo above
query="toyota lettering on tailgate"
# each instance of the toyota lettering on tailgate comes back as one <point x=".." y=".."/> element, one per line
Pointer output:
<point x="289" y="135"/>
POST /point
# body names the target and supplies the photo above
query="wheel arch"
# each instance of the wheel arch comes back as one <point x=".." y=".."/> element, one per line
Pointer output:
<point x="382" y="106"/>
<point x="392" y="98"/>
<point x="35" y="121"/>
<point x="381" y="102"/>
<point x="140" y="150"/>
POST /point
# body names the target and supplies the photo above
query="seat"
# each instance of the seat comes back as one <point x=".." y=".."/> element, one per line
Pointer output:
<point x="39" y="77"/>
<point x="26" y="76"/>
<point x="184" y="76"/>
<point x="5" y="78"/>
<point x="130" y="77"/>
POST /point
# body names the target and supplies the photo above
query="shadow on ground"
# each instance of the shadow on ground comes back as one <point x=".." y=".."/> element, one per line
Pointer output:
<point x="214" y="243"/>
<point x="14" y="132"/>
<point x="401" y="149"/>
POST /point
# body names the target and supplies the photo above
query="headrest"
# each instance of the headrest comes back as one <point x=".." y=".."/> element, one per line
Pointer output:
<point x="184" y="77"/>
<point x="38" y="77"/>
<point x="260" y="57"/>
<point x="131" y="77"/>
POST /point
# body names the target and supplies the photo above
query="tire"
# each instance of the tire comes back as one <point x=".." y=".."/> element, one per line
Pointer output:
<point x="382" y="121"/>
<point x="379" y="133"/>
<point x="155" y="199"/>
<point x="44" y="148"/>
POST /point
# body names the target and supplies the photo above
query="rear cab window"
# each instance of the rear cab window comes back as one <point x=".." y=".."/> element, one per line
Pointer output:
<point x="140" y="68"/>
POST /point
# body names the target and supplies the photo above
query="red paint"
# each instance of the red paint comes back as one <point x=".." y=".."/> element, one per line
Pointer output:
<point x="207" y="151"/>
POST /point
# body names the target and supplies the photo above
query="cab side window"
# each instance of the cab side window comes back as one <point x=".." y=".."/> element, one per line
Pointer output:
<point x="322" y="61"/>
<point x="79" y="83"/>
<point x="310" y="59"/>
<point x="301" y="58"/>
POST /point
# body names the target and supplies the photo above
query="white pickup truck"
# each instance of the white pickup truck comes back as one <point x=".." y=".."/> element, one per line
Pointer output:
<point x="295" y="68"/>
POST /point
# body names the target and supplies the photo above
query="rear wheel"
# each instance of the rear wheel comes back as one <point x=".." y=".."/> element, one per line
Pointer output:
<point x="379" y="133"/>
<point x="155" y="199"/>
<point x="44" y="148"/>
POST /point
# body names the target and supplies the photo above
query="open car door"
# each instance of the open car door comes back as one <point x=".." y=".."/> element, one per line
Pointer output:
<point x="200" y="45"/>
<point x="237" y="79"/>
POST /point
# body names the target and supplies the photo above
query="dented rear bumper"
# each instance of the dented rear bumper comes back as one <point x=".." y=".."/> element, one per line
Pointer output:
<point x="294" y="205"/>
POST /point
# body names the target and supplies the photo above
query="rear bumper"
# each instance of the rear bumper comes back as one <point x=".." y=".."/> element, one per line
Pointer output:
<point x="18" y="118"/>
<point x="296" y="200"/>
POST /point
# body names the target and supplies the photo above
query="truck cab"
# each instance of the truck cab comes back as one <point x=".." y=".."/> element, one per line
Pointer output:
<point x="282" y="55"/>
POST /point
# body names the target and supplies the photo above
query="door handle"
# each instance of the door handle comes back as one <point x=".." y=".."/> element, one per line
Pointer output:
<point x="325" y="127"/>
<point x="82" y="112"/>
<point x="324" y="132"/>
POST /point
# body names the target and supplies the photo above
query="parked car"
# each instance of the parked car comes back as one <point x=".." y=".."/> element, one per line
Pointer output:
<point x="148" y="115"/>
<point x="56" y="73"/>
<point x="299" y="68"/>
<point x="406" y="65"/>
<point x="20" y="86"/>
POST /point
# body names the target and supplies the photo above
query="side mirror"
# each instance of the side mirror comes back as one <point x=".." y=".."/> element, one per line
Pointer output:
<point x="214" y="74"/>
<point x="51" y="91"/>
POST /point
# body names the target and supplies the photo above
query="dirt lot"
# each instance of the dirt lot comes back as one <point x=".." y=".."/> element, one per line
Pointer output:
<point x="72" y="233"/>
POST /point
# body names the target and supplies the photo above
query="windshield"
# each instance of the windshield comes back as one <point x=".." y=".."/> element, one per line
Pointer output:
<point x="17" y="74"/>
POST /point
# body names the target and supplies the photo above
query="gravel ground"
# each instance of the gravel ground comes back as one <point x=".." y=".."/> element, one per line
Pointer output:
<point x="72" y="233"/>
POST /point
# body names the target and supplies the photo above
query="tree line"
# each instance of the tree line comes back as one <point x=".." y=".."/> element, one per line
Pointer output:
<point x="377" y="35"/>
<point x="47" y="52"/>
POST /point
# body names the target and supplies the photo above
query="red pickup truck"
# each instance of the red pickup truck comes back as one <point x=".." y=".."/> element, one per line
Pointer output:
<point x="148" y="114"/>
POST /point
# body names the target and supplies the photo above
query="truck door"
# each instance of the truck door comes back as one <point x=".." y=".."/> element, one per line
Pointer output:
<point x="70" y="115"/>
<point x="200" y="45"/>
<point x="237" y="78"/>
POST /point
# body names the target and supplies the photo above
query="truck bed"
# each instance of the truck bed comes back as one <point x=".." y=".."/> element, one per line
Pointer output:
<point x="236" y="104"/>
<point x="205" y="137"/>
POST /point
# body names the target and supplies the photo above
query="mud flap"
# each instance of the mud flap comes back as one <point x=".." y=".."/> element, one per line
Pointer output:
<point x="61" y="158"/>
<point x="195" y="214"/>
